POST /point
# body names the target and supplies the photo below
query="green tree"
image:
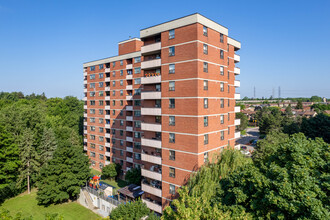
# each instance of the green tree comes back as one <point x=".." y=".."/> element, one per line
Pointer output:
<point x="288" y="111"/>
<point x="110" y="171"/>
<point x="29" y="159"/>
<point x="318" y="126"/>
<point x="133" y="176"/>
<point x="61" y="179"/>
<point x="244" y="121"/>
<point x="315" y="98"/>
<point x="47" y="146"/>
<point x="299" y="105"/>
<point x="132" y="211"/>
<point x="269" y="119"/>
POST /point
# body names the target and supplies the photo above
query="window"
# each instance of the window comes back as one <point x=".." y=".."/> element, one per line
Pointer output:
<point x="92" y="137"/>
<point x="172" y="189"/>
<point x="137" y="59"/>
<point x="101" y="75"/>
<point x="113" y="111"/>
<point x="172" y="138"/>
<point x="228" y="75"/>
<point x="228" y="117"/>
<point x="121" y="63"/>
<point x="137" y="91"/>
<point x="206" y="138"/>
<point x="137" y="156"/>
<point x="113" y="141"/>
<point x="228" y="61"/>
<point x="205" y="67"/>
<point x="137" y="70"/>
<point x="92" y="85"/>
<point x="171" y="51"/>
<point x="228" y="130"/>
<point x="92" y="128"/>
<point x="121" y="132"/>
<point x="92" y="102"/>
<point x="92" y="120"/>
<point x="221" y="54"/>
<point x="206" y="121"/>
<point x="228" y="89"/>
<point x="221" y="103"/>
<point x="206" y="102"/>
<point x="121" y="103"/>
<point x="172" y="172"/>
<point x="101" y="156"/>
<point x="100" y="111"/>
<point x="121" y="113"/>
<point x="121" y="72"/>
<point x="92" y="146"/>
<point x="113" y="131"/>
<point x="101" y="66"/>
<point x="92" y="154"/>
<point x="137" y="124"/>
<point x="172" y="154"/>
<point x="137" y="102"/>
<point x="114" y="73"/>
<point x="121" y="92"/>
<point x="171" y="85"/>
<point x="92" y="111"/>
<point x="113" y="102"/>
<point x="172" y="103"/>
<point x="221" y="86"/>
<point x="137" y="113"/>
<point x="121" y="82"/>
<point x="171" y="34"/>
<point x="100" y="102"/>
<point x="91" y="94"/>
<point x="221" y="37"/>
<point x="158" y="87"/>
<point x="137" y="81"/>
<point x="121" y="122"/>
<point x="137" y="145"/>
<point x="205" y="50"/>
<point x="221" y="70"/>
<point x="114" y="64"/>
<point x="121" y="152"/>
<point x="222" y="135"/>
<point x="205" y="31"/>
<point x="101" y="93"/>
<point x="172" y="68"/>
<point x="228" y="103"/>
<point x="101" y="120"/>
<point x="114" y="92"/>
<point x="137" y="134"/>
<point x="206" y="157"/>
<point x="221" y="119"/>
<point x="113" y="83"/>
<point x="171" y="120"/>
<point x="92" y="68"/>
<point x="100" y="84"/>
<point x="92" y="76"/>
<point x="205" y="83"/>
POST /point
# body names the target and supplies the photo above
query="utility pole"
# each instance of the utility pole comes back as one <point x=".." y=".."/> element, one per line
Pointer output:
<point x="254" y="92"/>
<point x="279" y="92"/>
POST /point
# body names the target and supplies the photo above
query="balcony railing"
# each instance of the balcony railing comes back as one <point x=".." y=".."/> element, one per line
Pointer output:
<point x="152" y="190"/>
<point x="237" y="96"/>
<point x="151" y="79"/>
<point x="153" y="205"/>
<point x="237" y="58"/>
<point x="151" y="64"/>
<point x="237" y="83"/>
<point x="237" y="71"/>
<point x="151" y="127"/>
<point x="237" y="122"/>
<point x="151" y="111"/>
<point x="129" y="66"/>
<point x="151" y="95"/>
<point x="156" y="143"/>
<point x="151" y="48"/>
<point x="151" y="158"/>
<point x="152" y="174"/>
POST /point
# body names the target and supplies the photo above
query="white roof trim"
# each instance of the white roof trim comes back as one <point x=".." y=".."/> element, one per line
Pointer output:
<point x="233" y="42"/>
<point x="111" y="59"/>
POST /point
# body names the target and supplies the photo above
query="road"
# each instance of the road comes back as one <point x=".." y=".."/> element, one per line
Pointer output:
<point x="251" y="134"/>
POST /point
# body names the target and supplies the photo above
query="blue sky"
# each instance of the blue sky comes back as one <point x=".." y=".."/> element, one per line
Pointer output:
<point x="44" y="43"/>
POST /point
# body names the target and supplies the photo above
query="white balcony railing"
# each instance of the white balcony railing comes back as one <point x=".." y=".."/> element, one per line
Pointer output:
<point x="237" y="121"/>
<point x="129" y="108"/>
<point x="85" y="106"/>
<point x="85" y="89"/>
<point x="151" y="174"/>
<point x="151" y="48"/>
<point x="129" y="66"/>
<point x="129" y="87"/>
<point x="107" y="144"/>
<point x="85" y="115"/>
<point x="151" y="127"/>
<point x="85" y="140"/>
<point x="151" y="143"/>
<point x="85" y="99"/>
<point x="151" y="159"/>
<point x="151" y="111"/>
<point x="107" y="126"/>
<point x="151" y="95"/>
<point x="237" y="96"/>
<point x="107" y="98"/>
<point x="107" y="116"/>
<point x="151" y="190"/>
<point x="237" y="83"/>
<point x="107" y="162"/>
<point x="151" y="79"/>
<point x="130" y="139"/>
<point x="237" y="71"/>
<point x="237" y="109"/>
<point x="151" y="64"/>
<point x="85" y="148"/>
<point x="107" y="70"/>
<point x="129" y="149"/>
<point x="129" y="97"/>
<point x="237" y="58"/>
<point x="107" y="88"/>
<point x="107" y="154"/>
<point x="85" y="123"/>
<point x="129" y="128"/>
<point x="129" y="118"/>
<point x="129" y="159"/>
<point x="107" y="107"/>
<point x="237" y="135"/>
<point x="107" y="135"/>
<point x="129" y="76"/>
<point x="107" y="79"/>
<point x="153" y="206"/>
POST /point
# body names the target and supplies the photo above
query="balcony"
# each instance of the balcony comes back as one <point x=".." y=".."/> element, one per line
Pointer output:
<point x="85" y="106"/>
<point x="153" y="205"/>
<point x="85" y="140"/>
<point x="129" y="108"/>
<point x="237" y="58"/>
<point x="151" y="64"/>
<point x="237" y="71"/>
<point x="237" y="135"/>
<point x="107" y="162"/>
<point x="152" y="190"/>
<point x="129" y="159"/>
<point x="107" y="154"/>
<point x="85" y="89"/>
<point x="129" y="87"/>
<point x="237" y="121"/>
<point x="107" y="126"/>
<point x="107" y="88"/>
<point x="107" y="135"/>
<point x="130" y="139"/>
<point x="107" y="70"/>
<point x="151" y="127"/>
<point x="237" y="83"/>
<point x="85" y="148"/>
<point x="237" y="96"/>
<point x="237" y="109"/>
<point x="107" y="79"/>
<point x="151" y="143"/>
<point x="85" y="99"/>
<point x="129" y="97"/>
<point x="107" y="116"/>
<point x="151" y="174"/>
<point x="107" y="98"/>
<point x="85" y="115"/>
<point x="85" y="123"/>
<point x="129" y="76"/>
<point x="151" y="158"/>
<point x="129" y="149"/>
<point x="129" y="128"/>
<point x="151" y="95"/>
<point x="107" y="144"/>
<point x="129" y="118"/>
<point x="85" y="73"/>
<point x="129" y="66"/>
<point x="151" y="111"/>
<point x="151" y="48"/>
<point x="107" y="107"/>
<point x="151" y="79"/>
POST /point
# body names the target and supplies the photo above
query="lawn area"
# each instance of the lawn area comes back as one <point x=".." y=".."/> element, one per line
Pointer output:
<point x="27" y="205"/>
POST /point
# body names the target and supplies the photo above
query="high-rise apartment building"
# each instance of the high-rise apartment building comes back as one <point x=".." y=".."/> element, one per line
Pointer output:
<point x="166" y="103"/>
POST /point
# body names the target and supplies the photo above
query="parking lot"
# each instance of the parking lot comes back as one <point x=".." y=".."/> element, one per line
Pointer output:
<point x="244" y="141"/>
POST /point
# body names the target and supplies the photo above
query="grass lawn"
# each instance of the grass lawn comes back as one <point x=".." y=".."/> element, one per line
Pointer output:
<point x="27" y="205"/>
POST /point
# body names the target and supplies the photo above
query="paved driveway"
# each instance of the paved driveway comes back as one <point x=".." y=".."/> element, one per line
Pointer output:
<point x="251" y="134"/>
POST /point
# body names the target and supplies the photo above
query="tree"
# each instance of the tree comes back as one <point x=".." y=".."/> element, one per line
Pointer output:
<point x="133" y="176"/>
<point x="110" y="171"/>
<point x="318" y="126"/>
<point x="47" y="145"/>
<point x="270" y="119"/>
<point x="29" y="158"/>
<point x="244" y="121"/>
<point x="299" y="105"/>
<point x="315" y="98"/>
<point x="63" y="176"/>
<point x="132" y="211"/>
<point x="288" y="111"/>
